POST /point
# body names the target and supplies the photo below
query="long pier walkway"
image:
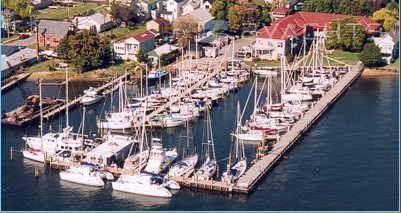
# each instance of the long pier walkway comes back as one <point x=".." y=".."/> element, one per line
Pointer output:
<point x="253" y="175"/>
<point x="77" y="100"/>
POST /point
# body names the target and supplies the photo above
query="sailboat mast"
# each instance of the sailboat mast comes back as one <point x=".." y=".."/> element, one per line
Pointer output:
<point x="41" y="114"/>
<point x="66" y="99"/>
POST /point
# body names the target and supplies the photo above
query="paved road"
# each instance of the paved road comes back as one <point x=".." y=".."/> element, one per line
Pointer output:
<point x="225" y="53"/>
<point x="23" y="42"/>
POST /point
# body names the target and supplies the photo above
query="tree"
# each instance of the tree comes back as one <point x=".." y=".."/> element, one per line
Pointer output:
<point x="264" y="14"/>
<point x="122" y="12"/>
<point x="241" y="13"/>
<point x="346" y="34"/>
<point x="164" y="60"/>
<point x="88" y="50"/>
<point x="140" y="56"/>
<point x="347" y="7"/>
<point x="185" y="29"/>
<point x="21" y="7"/>
<point x="219" y="10"/>
<point x="370" y="55"/>
<point x="386" y="17"/>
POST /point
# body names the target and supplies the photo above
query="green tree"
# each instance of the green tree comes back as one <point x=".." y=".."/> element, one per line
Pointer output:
<point x="370" y="55"/>
<point x="346" y="34"/>
<point x="140" y="56"/>
<point x="121" y="12"/>
<point x="392" y="5"/>
<point x="219" y="10"/>
<point x="388" y="18"/>
<point x="88" y="50"/>
<point x="21" y="7"/>
<point x="241" y="13"/>
<point x="185" y="29"/>
<point x="164" y="60"/>
<point x="63" y="47"/>
<point x="264" y="14"/>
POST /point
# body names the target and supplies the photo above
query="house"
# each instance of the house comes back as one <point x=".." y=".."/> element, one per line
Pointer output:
<point x="167" y="49"/>
<point x="96" y="22"/>
<point x="207" y="5"/>
<point x="279" y="12"/>
<point x="160" y="25"/>
<point x="127" y="49"/>
<point x="41" y="4"/>
<point x="145" y="8"/>
<point x="285" y="35"/>
<point x="51" y="32"/>
<point x="389" y="45"/>
<point x="175" y="6"/>
<point x="202" y="18"/>
<point x="14" y="57"/>
<point x="190" y="6"/>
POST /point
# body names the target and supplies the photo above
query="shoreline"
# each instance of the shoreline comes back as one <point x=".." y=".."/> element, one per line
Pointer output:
<point x="48" y="75"/>
<point x="377" y="73"/>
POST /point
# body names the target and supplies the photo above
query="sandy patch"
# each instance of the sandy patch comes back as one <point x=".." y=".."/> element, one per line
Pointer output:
<point x="373" y="73"/>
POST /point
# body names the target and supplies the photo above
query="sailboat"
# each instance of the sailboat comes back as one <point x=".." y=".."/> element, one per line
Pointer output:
<point x="209" y="166"/>
<point x="187" y="164"/>
<point x="43" y="145"/>
<point x="143" y="183"/>
<point x="233" y="173"/>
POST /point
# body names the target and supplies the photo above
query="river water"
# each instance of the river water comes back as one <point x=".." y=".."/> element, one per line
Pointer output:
<point x="354" y="147"/>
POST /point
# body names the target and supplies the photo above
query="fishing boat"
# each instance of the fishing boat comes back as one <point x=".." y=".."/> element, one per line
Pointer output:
<point x="83" y="175"/>
<point x="159" y="157"/>
<point x="155" y="74"/>
<point x="90" y="97"/>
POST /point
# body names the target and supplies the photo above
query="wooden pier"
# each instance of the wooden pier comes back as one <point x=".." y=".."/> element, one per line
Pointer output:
<point x="78" y="100"/>
<point x="16" y="80"/>
<point x="255" y="173"/>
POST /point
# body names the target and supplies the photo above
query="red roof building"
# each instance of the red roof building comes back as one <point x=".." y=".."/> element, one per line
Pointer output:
<point x="284" y="34"/>
<point x="127" y="49"/>
<point x="279" y="12"/>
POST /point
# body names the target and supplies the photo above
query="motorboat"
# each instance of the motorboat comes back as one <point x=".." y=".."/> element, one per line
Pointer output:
<point x="155" y="74"/>
<point x="90" y="97"/>
<point x="159" y="157"/>
<point x="142" y="184"/>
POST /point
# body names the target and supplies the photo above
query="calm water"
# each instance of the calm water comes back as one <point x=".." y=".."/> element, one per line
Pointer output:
<point x="355" y="146"/>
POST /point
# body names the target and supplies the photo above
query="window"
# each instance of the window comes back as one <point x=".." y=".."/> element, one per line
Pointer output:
<point x="280" y="44"/>
<point x="206" y="7"/>
<point x="171" y="3"/>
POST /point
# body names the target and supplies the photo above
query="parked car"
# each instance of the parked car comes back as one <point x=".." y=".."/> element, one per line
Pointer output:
<point x="23" y="36"/>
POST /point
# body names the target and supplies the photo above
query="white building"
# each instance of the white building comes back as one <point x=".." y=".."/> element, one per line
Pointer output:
<point x="389" y="45"/>
<point x="190" y="6"/>
<point x="166" y="49"/>
<point x="96" y="22"/>
<point x="127" y="49"/>
<point x="175" y="6"/>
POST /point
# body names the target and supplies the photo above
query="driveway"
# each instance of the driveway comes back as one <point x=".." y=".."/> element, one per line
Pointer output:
<point x="23" y="42"/>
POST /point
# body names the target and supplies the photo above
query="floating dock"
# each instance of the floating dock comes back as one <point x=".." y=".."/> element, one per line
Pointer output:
<point x="256" y="172"/>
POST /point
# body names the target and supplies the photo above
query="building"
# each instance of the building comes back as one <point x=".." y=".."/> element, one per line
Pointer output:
<point x="285" y="35"/>
<point x="41" y="4"/>
<point x="159" y="24"/>
<point x="279" y="12"/>
<point x="167" y="49"/>
<point x="96" y="22"/>
<point x="51" y="32"/>
<point x="15" y="57"/>
<point x="389" y="45"/>
<point x="145" y="8"/>
<point x="190" y="6"/>
<point x="127" y="49"/>
<point x="175" y="6"/>
<point x="207" y="5"/>
<point x="202" y="18"/>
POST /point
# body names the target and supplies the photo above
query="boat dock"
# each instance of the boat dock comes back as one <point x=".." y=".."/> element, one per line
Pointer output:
<point x="255" y="173"/>
<point x="16" y="79"/>
<point x="78" y="100"/>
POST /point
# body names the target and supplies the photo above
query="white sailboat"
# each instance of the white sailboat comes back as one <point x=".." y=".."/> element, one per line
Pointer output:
<point x="187" y="164"/>
<point x="233" y="173"/>
<point x="48" y="144"/>
<point x="85" y="175"/>
<point x="209" y="166"/>
<point x="140" y="183"/>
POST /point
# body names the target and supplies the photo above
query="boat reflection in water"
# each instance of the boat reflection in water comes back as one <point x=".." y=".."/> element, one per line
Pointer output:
<point x="141" y="201"/>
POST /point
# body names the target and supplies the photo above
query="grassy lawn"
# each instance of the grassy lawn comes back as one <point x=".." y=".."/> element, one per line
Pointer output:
<point x="346" y="57"/>
<point x="259" y="2"/>
<point x="63" y="12"/>
<point x="121" y="33"/>
<point x="110" y="71"/>
<point x="395" y="64"/>
<point x="11" y="37"/>
<point x="263" y="63"/>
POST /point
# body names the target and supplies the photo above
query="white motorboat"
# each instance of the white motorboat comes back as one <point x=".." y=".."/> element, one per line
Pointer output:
<point x="159" y="157"/>
<point x="265" y="72"/>
<point x="83" y="175"/>
<point x="90" y="97"/>
<point x="140" y="184"/>
<point x="155" y="74"/>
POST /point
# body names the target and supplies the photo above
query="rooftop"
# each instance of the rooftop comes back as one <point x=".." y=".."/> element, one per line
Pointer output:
<point x="53" y="28"/>
<point x="202" y="15"/>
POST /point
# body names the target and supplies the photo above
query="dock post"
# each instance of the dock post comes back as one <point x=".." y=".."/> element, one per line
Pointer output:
<point x="11" y="153"/>
<point x="36" y="170"/>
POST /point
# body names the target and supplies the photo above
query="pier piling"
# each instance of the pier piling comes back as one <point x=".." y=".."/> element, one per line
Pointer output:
<point x="36" y="171"/>
<point x="11" y="153"/>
